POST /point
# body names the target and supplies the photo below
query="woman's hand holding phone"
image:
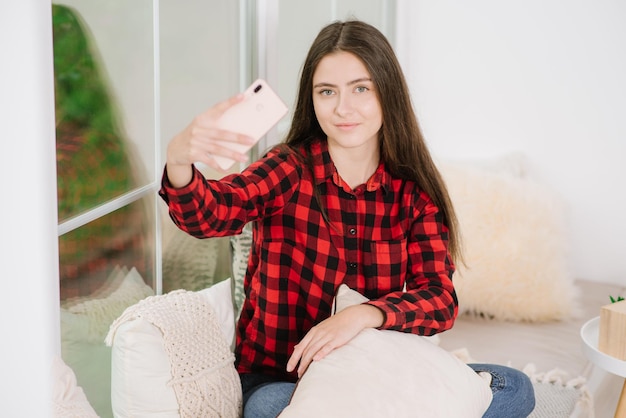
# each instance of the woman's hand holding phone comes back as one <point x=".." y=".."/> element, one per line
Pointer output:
<point x="224" y="133"/>
<point x="200" y="141"/>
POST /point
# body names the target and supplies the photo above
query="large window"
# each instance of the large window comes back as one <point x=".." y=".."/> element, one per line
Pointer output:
<point x="126" y="74"/>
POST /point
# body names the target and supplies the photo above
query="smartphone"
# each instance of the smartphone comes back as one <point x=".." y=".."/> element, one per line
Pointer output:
<point x="254" y="116"/>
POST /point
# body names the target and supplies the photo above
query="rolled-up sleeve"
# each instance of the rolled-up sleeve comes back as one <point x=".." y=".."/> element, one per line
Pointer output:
<point x="429" y="305"/>
<point x="212" y="208"/>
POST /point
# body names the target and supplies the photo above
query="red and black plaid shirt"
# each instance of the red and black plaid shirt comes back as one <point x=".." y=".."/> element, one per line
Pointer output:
<point x="384" y="235"/>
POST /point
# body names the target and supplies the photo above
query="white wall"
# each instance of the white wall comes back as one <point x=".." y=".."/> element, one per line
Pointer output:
<point x="547" y="78"/>
<point x="29" y="307"/>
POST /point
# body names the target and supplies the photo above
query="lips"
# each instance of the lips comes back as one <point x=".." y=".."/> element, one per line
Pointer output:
<point x="346" y="126"/>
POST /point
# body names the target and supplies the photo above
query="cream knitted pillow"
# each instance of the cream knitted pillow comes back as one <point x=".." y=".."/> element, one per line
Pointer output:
<point x="171" y="356"/>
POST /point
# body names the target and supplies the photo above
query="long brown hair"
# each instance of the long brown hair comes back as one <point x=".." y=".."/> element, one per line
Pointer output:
<point x="403" y="148"/>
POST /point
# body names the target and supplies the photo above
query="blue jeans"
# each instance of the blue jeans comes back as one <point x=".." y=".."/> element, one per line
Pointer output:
<point x="513" y="394"/>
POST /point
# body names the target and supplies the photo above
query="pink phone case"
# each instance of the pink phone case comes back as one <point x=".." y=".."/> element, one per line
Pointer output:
<point x="260" y="110"/>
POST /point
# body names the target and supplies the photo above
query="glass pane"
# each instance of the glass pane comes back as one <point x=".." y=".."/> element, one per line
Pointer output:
<point x="106" y="265"/>
<point x="104" y="94"/>
<point x="200" y="60"/>
<point x="200" y="66"/>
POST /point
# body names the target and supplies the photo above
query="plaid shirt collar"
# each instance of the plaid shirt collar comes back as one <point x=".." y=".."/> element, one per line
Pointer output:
<point x="324" y="168"/>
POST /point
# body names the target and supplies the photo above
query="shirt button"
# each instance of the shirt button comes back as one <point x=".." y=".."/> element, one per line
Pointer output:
<point x="352" y="231"/>
<point x="352" y="265"/>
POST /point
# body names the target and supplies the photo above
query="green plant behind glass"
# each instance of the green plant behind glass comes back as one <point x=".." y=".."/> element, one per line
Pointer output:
<point x="92" y="157"/>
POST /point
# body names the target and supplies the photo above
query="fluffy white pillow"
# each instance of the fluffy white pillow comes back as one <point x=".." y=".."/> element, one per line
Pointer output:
<point x="141" y="368"/>
<point x="514" y="240"/>
<point x="388" y="374"/>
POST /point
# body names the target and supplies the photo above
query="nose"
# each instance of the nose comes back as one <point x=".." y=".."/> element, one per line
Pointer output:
<point x="344" y="105"/>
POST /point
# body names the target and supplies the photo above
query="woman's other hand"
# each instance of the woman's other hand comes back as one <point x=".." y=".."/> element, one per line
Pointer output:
<point x="201" y="140"/>
<point x="332" y="333"/>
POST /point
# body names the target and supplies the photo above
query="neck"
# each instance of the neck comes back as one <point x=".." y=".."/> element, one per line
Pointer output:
<point x="354" y="165"/>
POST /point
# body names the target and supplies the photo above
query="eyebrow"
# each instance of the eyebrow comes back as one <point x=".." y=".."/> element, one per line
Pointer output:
<point x="349" y="83"/>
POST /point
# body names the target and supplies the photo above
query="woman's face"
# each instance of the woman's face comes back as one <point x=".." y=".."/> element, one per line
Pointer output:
<point x="345" y="101"/>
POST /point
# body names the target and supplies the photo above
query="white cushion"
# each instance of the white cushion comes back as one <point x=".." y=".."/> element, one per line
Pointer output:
<point x="388" y="374"/>
<point x="220" y="299"/>
<point x="141" y="372"/>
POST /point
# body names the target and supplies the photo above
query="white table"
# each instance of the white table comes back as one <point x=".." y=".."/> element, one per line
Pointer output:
<point x="590" y="333"/>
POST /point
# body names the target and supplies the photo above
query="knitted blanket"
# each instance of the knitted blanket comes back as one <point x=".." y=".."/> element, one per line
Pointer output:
<point x="204" y="378"/>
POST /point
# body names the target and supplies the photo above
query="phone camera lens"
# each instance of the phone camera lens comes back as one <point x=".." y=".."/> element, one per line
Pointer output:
<point x="257" y="88"/>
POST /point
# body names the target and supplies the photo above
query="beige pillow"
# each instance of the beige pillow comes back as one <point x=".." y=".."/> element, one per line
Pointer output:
<point x="514" y="239"/>
<point x="388" y="374"/>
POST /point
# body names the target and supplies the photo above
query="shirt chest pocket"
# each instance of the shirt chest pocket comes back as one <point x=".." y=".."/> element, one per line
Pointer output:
<point x="385" y="265"/>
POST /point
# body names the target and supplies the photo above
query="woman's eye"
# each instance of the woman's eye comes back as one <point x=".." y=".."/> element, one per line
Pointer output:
<point x="326" y="92"/>
<point x="361" y="89"/>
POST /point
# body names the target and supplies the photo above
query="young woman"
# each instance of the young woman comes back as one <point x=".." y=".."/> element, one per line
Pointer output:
<point x="352" y="196"/>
